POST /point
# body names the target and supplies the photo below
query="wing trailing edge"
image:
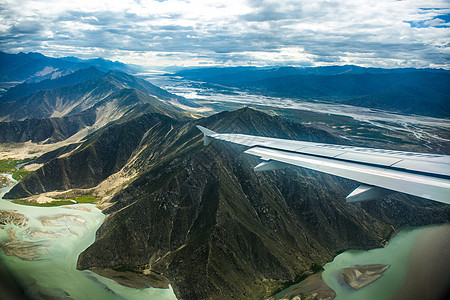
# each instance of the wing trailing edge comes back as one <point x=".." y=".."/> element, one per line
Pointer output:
<point x="380" y="171"/>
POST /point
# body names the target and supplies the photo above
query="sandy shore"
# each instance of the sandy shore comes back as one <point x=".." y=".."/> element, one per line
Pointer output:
<point x="311" y="288"/>
<point x="12" y="217"/>
<point x="5" y="182"/>
<point x="134" y="279"/>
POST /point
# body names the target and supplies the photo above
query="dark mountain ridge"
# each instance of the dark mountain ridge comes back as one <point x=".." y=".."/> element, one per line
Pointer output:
<point x="48" y="130"/>
<point x="126" y="104"/>
<point x="201" y="217"/>
<point x="63" y="100"/>
<point x="101" y="155"/>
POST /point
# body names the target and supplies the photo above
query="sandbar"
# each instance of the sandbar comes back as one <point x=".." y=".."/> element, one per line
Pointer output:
<point x="360" y="276"/>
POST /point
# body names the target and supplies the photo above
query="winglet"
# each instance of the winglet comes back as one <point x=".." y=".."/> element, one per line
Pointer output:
<point x="269" y="166"/>
<point x="207" y="135"/>
<point x="366" y="193"/>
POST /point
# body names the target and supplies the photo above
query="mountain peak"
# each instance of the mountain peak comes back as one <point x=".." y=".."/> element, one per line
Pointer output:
<point x="25" y="89"/>
<point x="252" y="121"/>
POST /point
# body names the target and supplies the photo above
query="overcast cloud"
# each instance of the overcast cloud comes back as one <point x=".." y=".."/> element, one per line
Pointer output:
<point x="380" y="33"/>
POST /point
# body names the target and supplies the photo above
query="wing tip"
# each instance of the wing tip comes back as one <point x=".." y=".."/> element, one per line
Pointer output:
<point x="207" y="135"/>
<point x="205" y="130"/>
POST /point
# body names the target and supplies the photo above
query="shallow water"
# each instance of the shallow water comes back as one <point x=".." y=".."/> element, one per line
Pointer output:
<point x="61" y="234"/>
<point x="398" y="254"/>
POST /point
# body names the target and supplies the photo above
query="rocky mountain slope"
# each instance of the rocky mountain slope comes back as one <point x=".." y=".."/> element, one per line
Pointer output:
<point x="100" y="156"/>
<point x="66" y="100"/>
<point x="200" y="217"/>
<point x="78" y="104"/>
<point x="197" y="217"/>
<point x="125" y="104"/>
<point x="25" y="88"/>
<point x="48" y="130"/>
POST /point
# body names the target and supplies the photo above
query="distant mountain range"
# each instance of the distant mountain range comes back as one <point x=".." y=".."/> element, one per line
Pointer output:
<point x="410" y="91"/>
<point x="111" y="93"/>
<point x="53" y="110"/>
<point x="34" y="67"/>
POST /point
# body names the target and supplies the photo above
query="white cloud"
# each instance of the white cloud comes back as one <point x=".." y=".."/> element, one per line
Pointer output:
<point x="257" y="32"/>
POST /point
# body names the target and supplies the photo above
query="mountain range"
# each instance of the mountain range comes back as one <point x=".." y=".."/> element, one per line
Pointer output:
<point x="178" y="212"/>
<point x="408" y="91"/>
<point x="54" y="110"/>
<point x="34" y="67"/>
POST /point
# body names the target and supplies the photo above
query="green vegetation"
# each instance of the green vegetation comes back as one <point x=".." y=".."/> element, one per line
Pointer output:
<point x="316" y="268"/>
<point x="20" y="174"/>
<point x="85" y="199"/>
<point x="47" y="204"/>
<point x="60" y="202"/>
<point x="10" y="166"/>
<point x="7" y="165"/>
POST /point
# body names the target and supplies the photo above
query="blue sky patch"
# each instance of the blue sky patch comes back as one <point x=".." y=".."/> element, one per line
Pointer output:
<point x="441" y="21"/>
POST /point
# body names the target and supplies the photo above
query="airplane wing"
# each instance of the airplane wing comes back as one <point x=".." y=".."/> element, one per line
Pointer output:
<point x="381" y="172"/>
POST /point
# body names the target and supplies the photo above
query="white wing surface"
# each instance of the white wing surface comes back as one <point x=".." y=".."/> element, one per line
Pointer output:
<point x="380" y="171"/>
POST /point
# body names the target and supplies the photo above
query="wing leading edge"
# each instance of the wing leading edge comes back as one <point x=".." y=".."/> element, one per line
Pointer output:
<point x="380" y="171"/>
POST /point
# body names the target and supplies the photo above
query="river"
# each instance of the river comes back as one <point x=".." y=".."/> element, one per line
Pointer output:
<point x="206" y="95"/>
<point x="53" y="238"/>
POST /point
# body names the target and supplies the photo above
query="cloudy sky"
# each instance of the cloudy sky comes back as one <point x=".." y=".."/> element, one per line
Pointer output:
<point x="380" y="33"/>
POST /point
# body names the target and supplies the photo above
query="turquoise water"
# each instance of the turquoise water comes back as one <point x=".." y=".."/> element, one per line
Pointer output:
<point x="397" y="254"/>
<point x="67" y="232"/>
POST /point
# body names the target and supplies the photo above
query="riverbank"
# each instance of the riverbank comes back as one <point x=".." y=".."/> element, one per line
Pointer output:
<point x="41" y="245"/>
<point x="400" y="255"/>
<point x="312" y="287"/>
<point x="414" y="265"/>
